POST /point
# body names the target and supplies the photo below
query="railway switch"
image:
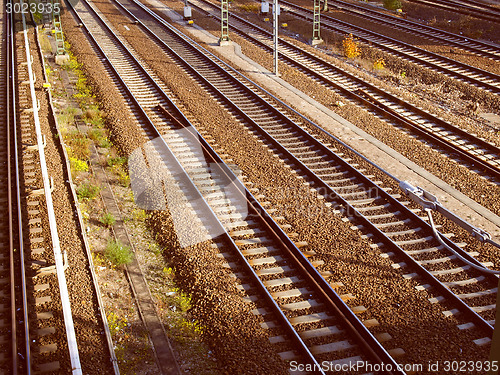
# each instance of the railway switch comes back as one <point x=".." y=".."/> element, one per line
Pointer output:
<point x="431" y="202"/>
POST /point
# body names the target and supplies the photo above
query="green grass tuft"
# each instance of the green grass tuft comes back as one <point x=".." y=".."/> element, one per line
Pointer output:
<point x="118" y="254"/>
<point x="87" y="191"/>
<point x="108" y="220"/>
<point x="120" y="160"/>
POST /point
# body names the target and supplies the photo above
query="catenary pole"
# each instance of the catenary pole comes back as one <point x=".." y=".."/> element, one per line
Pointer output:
<point x="275" y="35"/>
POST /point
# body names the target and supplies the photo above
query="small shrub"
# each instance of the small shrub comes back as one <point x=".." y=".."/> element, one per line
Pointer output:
<point x="140" y="215"/>
<point x="96" y="135"/>
<point x="98" y="260"/>
<point x="71" y="64"/>
<point x="84" y="209"/>
<point x="45" y="43"/>
<point x="116" y="323"/>
<point x="67" y="117"/>
<point x="78" y="144"/>
<point x="108" y="220"/>
<point x="190" y="327"/>
<point x="105" y="143"/>
<point x="351" y="47"/>
<point x="169" y="271"/>
<point x="253" y="8"/>
<point x="83" y="88"/>
<point x="37" y="17"/>
<point x="94" y="116"/>
<point x="91" y="113"/>
<point x="78" y="165"/>
<point x="184" y="301"/>
<point x="124" y="179"/>
<point x="392" y="4"/>
<point x="120" y="160"/>
<point x="87" y="191"/>
<point x="379" y="64"/>
<point x="99" y="138"/>
<point x="122" y="176"/>
<point x="154" y="248"/>
<point x="117" y="253"/>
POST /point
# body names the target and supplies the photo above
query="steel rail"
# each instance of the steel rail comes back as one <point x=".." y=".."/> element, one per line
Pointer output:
<point x="369" y="101"/>
<point x="58" y="252"/>
<point x="10" y="123"/>
<point x="196" y="49"/>
<point x="17" y="168"/>
<point x="460" y="7"/>
<point x="384" y="43"/>
<point x="479" y="5"/>
<point x="476" y="46"/>
<point x="322" y="287"/>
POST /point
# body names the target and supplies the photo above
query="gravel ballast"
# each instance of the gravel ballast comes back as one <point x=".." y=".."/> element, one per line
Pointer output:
<point x="345" y="252"/>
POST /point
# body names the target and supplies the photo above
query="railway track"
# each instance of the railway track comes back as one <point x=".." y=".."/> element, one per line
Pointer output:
<point x="44" y="343"/>
<point x="289" y="140"/>
<point x="402" y="235"/>
<point x="315" y="322"/>
<point x="478" y="47"/>
<point x="468" y="149"/>
<point x="9" y="343"/>
<point x="470" y="8"/>
<point x="456" y="70"/>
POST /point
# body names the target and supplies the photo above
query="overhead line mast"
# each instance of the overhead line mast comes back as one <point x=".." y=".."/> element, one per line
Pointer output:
<point x="224" y="36"/>
<point x="276" y="11"/>
<point x="316" y="38"/>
